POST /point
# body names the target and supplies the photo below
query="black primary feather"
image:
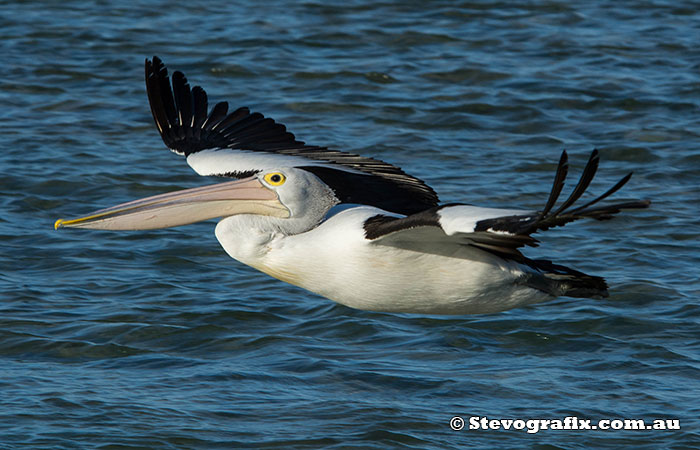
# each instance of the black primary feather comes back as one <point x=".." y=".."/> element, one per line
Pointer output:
<point x="525" y="225"/>
<point x="187" y="127"/>
<point x="488" y="233"/>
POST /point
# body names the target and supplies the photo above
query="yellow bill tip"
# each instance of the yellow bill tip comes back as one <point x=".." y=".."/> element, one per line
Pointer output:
<point x="58" y="224"/>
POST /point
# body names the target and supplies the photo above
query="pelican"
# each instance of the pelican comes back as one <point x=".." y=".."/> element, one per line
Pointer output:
<point x="353" y="229"/>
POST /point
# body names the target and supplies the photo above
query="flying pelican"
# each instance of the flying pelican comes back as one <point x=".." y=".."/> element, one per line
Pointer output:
<point x="353" y="229"/>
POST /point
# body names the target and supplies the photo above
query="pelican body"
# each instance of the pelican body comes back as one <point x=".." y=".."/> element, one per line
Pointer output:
<point x="356" y="230"/>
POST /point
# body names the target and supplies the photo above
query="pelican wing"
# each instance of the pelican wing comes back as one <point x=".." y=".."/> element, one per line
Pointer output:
<point x="240" y="143"/>
<point x="443" y="229"/>
<point x="498" y="231"/>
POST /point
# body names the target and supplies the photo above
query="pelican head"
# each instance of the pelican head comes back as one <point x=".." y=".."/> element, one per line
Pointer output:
<point x="290" y="199"/>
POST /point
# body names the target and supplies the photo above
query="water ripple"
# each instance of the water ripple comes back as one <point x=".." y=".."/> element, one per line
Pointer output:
<point x="159" y="340"/>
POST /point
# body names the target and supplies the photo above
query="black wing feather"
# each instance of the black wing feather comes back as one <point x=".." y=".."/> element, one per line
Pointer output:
<point x="525" y="225"/>
<point x="187" y="127"/>
<point x="488" y="234"/>
<point x="218" y="113"/>
<point x="607" y="193"/>
<point x="201" y="104"/>
<point x="583" y="183"/>
<point x="562" y="170"/>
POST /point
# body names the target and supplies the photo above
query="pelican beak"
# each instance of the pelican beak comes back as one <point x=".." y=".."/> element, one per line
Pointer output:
<point x="247" y="196"/>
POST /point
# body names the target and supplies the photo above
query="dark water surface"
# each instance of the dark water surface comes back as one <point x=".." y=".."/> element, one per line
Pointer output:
<point x="158" y="340"/>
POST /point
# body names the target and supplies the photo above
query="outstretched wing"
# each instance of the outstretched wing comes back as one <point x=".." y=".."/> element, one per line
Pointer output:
<point x="241" y="143"/>
<point x="498" y="231"/>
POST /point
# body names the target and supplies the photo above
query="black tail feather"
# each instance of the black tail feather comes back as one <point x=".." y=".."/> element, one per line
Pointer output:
<point x="558" y="280"/>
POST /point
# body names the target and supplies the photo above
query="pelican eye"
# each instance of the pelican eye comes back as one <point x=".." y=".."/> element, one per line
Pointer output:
<point x="275" y="179"/>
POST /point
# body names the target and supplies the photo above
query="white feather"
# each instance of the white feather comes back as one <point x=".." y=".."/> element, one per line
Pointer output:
<point x="221" y="161"/>
<point x="463" y="218"/>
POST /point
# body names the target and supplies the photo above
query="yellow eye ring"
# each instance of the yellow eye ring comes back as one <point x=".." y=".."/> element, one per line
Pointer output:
<point x="275" y="179"/>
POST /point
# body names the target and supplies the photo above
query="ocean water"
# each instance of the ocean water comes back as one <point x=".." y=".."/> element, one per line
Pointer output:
<point x="158" y="340"/>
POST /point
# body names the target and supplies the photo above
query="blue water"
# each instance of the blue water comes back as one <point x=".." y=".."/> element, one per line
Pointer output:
<point x="158" y="340"/>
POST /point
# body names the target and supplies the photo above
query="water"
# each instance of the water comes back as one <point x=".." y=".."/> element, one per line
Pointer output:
<point x="158" y="340"/>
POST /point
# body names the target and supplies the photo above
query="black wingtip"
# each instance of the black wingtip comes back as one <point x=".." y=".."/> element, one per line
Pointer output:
<point x="558" y="185"/>
<point x="606" y="194"/>
<point x="155" y="67"/>
<point x="562" y="215"/>
<point x="587" y="176"/>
